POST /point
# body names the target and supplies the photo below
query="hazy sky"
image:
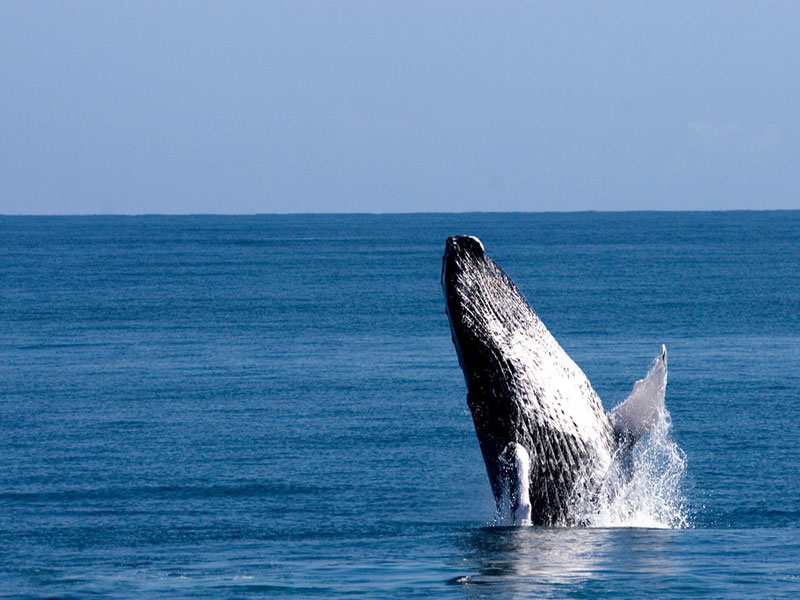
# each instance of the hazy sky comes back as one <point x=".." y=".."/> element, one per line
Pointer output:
<point x="373" y="106"/>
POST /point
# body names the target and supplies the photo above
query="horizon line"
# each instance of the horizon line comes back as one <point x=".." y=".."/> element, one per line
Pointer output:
<point x="397" y="213"/>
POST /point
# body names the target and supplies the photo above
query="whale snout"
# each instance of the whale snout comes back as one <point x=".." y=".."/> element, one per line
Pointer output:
<point x="464" y="244"/>
<point x="463" y="258"/>
<point x="462" y="254"/>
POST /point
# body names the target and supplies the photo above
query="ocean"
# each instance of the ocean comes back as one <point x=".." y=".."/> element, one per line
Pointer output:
<point x="259" y="406"/>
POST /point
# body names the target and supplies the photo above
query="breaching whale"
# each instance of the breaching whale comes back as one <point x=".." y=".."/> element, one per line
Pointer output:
<point x="551" y="450"/>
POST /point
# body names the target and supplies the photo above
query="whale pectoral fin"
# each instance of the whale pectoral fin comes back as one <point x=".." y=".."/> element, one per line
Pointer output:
<point x="516" y="464"/>
<point x="643" y="408"/>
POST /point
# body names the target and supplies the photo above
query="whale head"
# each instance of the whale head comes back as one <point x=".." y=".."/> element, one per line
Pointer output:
<point x="522" y="389"/>
<point x="481" y="302"/>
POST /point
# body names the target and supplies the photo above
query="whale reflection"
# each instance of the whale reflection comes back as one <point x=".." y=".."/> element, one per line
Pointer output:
<point x="516" y="562"/>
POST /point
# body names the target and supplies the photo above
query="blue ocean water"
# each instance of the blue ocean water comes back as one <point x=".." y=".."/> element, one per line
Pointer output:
<point x="212" y="406"/>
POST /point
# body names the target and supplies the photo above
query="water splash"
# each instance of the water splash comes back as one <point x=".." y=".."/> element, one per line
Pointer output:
<point x="643" y="487"/>
<point x="653" y="497"/>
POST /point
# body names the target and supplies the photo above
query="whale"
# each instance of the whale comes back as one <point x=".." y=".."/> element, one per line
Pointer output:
<point x="551" y="450"/>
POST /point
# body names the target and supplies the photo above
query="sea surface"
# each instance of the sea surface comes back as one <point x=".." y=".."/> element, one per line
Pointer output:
<point x="248" y="407"/>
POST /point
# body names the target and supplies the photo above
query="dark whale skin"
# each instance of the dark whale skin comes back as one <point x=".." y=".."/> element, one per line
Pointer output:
<point x="525" y="393"/>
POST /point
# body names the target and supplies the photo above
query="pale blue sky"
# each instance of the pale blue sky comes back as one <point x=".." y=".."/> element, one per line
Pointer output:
<point x="293" y="106"/>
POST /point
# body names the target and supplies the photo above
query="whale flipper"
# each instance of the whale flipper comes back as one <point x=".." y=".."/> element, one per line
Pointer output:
<point x="643" y="408"/>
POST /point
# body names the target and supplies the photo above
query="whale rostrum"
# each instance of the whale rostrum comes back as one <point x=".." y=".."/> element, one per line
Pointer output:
<point x="549" y="446"/>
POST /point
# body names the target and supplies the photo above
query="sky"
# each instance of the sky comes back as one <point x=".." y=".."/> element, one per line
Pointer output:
<point x="379" y="106"/>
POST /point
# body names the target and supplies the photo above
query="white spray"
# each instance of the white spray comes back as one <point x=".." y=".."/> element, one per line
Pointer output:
<point x="653" y="495"/>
